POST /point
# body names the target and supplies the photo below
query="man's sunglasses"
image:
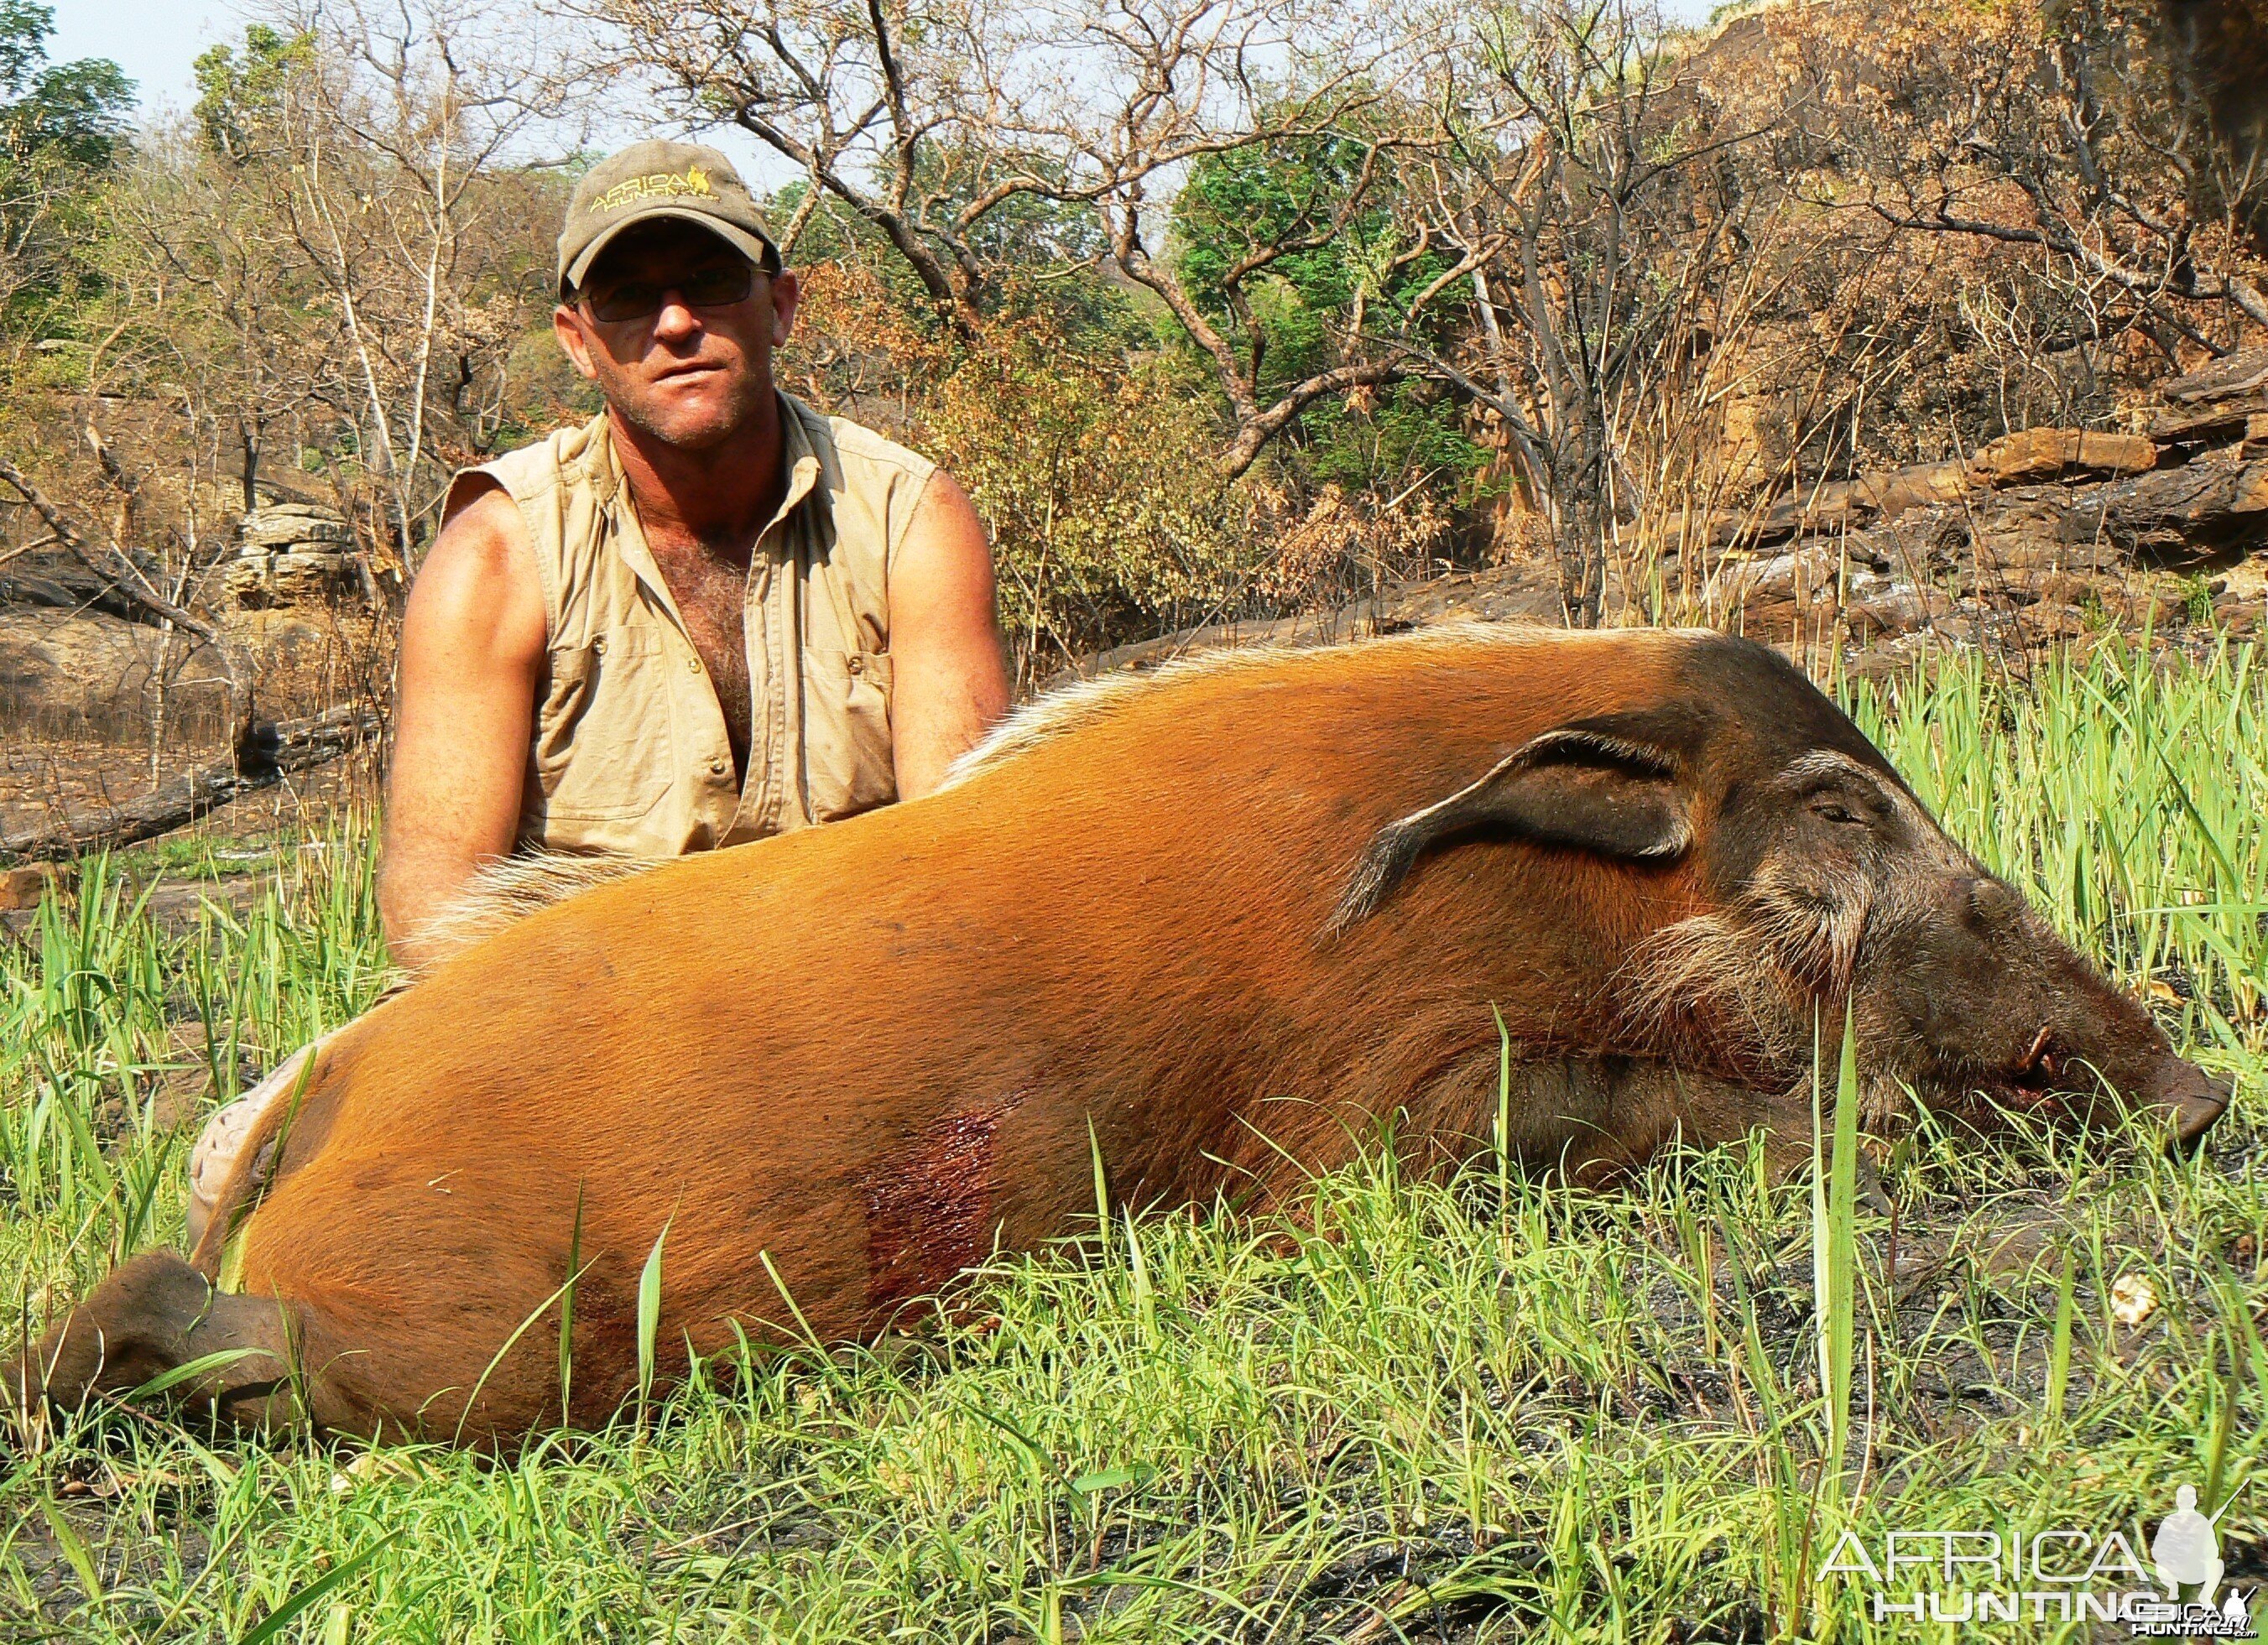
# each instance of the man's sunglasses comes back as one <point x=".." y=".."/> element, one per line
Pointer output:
<point x="718" y="286"/>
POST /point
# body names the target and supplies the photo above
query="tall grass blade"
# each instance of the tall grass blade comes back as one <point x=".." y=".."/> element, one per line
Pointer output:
<point x="649" y="1317"/>
<point x="1502" y="1140"/>
<point x="189" y="1370"/>
<point x="1834" y="1241"/>
<point x="567" y="1311"/>
<point x="1102" y="1187"/>
<point x="272" y="1625"/>
<point x="2059" y="1340"/>
<point x="75" y="1551"/>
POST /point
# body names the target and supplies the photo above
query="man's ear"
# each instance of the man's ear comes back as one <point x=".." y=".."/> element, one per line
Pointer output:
<point x="1614" y="785"/>
<point x="787" y="295"/>
<point x="567" y="326"/>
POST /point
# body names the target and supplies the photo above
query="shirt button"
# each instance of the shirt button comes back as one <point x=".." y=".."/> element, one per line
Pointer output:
<point x="693" y="665"/>
<point x="858" y="664"/>
<point x="717" y="767"/>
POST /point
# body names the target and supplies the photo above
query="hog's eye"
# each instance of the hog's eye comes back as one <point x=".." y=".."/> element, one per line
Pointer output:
<point x="1834" y="811"/>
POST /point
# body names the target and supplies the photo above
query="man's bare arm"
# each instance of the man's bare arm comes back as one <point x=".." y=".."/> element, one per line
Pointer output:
<point x="472" y="652"/>
<point x="949" y="673"/>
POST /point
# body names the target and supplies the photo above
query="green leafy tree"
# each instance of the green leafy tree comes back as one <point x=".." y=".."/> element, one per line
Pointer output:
<point x="74" y="114"/>
<point x="1293" y="248"/>
<point x="1271" y="242"/>
<point x="239" y="98"/>
<point x="63" y="133"/>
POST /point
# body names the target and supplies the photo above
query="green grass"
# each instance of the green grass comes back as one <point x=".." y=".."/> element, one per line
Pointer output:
<point x="197" y="856"/>
<point x="1480" y="1410"/>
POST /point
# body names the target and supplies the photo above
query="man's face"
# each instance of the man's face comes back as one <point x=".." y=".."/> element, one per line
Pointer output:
<point x="689" y="377"/>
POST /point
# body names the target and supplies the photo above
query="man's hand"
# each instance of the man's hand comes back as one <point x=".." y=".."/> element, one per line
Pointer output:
<point x="472" y="652"/>
<point x="950" y="678"/>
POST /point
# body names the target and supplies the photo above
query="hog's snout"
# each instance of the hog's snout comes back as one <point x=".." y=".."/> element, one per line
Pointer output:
<point x="2191" y="1098"/>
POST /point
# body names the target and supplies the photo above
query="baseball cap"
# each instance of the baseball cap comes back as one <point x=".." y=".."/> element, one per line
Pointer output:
<point x="659" y="178"/>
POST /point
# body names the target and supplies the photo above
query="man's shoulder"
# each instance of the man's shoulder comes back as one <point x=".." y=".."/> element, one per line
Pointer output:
<point x="545" y="460"/>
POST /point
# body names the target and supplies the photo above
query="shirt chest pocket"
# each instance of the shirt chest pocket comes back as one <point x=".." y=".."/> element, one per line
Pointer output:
<point x="604" y="748"/>
<point x="847" y="759"/>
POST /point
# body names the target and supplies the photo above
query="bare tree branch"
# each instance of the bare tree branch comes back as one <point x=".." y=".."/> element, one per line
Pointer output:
<point x="107" y="559"/>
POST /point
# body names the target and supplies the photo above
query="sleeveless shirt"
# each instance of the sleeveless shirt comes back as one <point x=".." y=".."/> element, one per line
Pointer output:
<point x="630" y="753"/>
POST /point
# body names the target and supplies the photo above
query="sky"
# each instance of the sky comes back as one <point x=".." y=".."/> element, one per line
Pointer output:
<point x="155" y="41"/>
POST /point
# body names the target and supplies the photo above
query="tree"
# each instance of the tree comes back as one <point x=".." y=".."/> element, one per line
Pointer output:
<point x="76" y="112"/>
<point x="240" y="99"/>
<point x="935" y="122"/>
<point x="2060" y="128"/>
<point x="1294" y="251"/>
<point x="1577" y="185"/>
<point x="63" y="128"/>
<point x="386" y="170"/>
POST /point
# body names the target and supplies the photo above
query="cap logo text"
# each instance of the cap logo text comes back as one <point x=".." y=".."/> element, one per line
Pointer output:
<point x="654" y="186"/>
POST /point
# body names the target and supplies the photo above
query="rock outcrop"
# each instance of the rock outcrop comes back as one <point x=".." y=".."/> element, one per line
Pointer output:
<point x="291" y="554"/>
<point x="87" y="672"/>
<point x="2047" y="536"/>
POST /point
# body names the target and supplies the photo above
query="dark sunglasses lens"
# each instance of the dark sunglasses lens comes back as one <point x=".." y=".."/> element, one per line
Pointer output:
<point x="712" y="288"/>
<point x="704" y="288"/>
<point x="630" y="301"/>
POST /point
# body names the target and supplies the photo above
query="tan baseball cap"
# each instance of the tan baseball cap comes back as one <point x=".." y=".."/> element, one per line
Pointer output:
<point x="659" y="178"/>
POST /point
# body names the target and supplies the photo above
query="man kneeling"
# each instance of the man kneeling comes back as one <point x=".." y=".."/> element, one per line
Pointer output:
<point x="707" y="615"/>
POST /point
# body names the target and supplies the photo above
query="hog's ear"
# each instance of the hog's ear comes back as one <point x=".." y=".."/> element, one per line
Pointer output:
<point x="1614" y="785"/>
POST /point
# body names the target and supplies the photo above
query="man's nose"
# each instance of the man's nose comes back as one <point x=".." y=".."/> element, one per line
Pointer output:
<point x="674" y="318"/>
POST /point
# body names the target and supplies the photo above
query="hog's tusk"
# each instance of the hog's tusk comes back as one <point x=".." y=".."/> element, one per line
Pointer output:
<point x="2031" y="1059"/>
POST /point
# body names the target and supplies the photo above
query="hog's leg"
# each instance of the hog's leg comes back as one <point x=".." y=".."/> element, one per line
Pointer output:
<point x="1599" y="1118"/>
<point x="1715" y="1112"/>
<point x="156" y="1314"/>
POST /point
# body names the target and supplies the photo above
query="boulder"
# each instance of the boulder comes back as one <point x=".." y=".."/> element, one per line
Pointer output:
<point x="2240" y="617"/>
<point x="2045" y="453"/>
<point x="2215" y="505"/>
<point x="2034" y="455"/>
<point x="2045" y="623"/>
<point x="2232" y="374"/>
<point x="285" y="525"/>
<point x="2025" y="531"/>
<point x="303" y="577"/>
<point x="1901" y="609"/>
<point x="291" y="554"/>
<point x="1794" y="577"/>
<point x="2208" y="424"/>
<point x="1892" y="492"/>
<point x="88" y="673"/>
<point x="27" y="886"/>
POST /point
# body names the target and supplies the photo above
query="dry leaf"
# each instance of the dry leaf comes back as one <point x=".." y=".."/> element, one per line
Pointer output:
<point x="2132" y="1299"/>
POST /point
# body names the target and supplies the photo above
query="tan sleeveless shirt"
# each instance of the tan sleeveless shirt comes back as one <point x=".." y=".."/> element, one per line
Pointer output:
<point x="630" y="753"/>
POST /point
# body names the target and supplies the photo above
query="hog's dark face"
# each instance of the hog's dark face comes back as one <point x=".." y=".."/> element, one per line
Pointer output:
<point x="1958" y="989"/>
<point x="1825" y="881"/>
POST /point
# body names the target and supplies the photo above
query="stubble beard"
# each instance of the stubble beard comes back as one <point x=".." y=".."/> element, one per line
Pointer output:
<point x="714" y="424"/>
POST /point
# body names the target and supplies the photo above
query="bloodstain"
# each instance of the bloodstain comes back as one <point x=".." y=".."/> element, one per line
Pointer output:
<point x="929" y="1205"/>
